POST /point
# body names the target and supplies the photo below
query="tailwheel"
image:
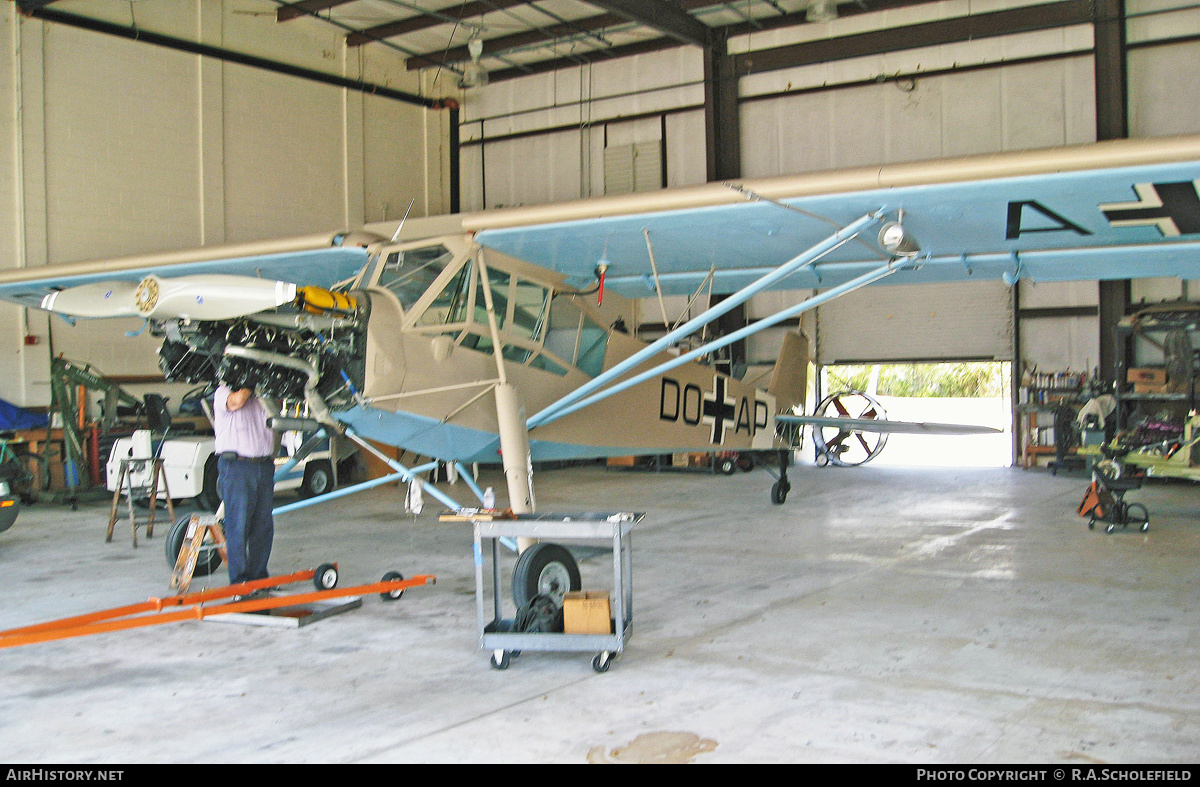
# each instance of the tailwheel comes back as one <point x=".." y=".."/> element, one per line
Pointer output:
<point x="848" y="447"/>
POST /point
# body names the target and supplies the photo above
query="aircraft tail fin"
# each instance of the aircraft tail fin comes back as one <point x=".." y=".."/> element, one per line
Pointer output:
<point x="789" y="381"/>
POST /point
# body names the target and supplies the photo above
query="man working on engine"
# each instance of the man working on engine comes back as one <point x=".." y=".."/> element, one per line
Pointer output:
<point x="245" y="447"/>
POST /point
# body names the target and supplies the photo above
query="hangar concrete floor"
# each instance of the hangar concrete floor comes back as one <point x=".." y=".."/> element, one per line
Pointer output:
<point x="884" y="614"/>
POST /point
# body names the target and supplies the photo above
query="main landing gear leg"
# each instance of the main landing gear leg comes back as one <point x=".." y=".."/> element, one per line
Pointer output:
<point x="541" y="569"/>
<point x="780" y="489"/>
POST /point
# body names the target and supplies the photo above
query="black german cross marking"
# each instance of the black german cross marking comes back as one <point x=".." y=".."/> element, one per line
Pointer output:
<point x="1172" y="207"/>
<point x="720" y="409"/>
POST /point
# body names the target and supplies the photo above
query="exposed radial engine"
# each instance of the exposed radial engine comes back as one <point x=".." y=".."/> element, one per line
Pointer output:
<point x="309" y="351"/>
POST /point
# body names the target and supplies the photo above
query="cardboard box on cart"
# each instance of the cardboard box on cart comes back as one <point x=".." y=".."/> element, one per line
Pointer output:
<point x="587" y="612"/>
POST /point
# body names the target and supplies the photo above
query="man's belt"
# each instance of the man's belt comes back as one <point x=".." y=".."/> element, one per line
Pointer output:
<point x="231" y="455"/>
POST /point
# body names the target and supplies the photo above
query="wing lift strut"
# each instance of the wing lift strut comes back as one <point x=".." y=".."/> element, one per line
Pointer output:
<point x="606" y="384"/>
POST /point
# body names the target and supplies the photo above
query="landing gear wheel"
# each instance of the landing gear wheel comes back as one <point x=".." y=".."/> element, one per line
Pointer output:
<point x="392" y="595"/>
<point x="499" y="659"/>
<point x="779" y="492"/>
<point x="318" y="479"/>
<point x="209" y="559"/>
<point x="602" y="662"/>
<point x="847" y="447"/>
<point x="325" y="577"/>
<point x="544" y="570"/>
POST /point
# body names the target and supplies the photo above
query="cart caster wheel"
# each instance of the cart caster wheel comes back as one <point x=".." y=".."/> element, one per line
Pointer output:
<point x="1111" y="527"/>
<point x="325" y="577"/>
<point x="602" y="662"/>
<point x="727" y="466"/>
<point x="1138" y="515"/>
<point x="394" y="595"/>
<point x="1091" y="524"/>
<point x="779" y="492"/>
<point x="500" y="660"/>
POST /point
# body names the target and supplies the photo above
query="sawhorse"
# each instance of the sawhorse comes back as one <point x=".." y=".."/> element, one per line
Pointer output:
<point x="125" y="485"/>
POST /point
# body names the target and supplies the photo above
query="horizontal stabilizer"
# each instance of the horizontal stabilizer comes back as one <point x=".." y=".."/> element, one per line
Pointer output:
<point x="884" y="426"/>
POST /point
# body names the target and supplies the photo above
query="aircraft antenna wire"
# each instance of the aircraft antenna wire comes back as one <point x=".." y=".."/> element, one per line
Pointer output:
<point x="754" y="196"/>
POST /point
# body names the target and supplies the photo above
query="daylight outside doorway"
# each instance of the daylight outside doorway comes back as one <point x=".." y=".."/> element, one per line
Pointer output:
<point x="977" y="393"/>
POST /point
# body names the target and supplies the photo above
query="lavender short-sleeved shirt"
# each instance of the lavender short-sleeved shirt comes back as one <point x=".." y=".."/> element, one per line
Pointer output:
<point x="243" y="431"/>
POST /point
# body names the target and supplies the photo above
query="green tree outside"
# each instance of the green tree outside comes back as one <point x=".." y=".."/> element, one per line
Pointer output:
<point x="942" y="380"/>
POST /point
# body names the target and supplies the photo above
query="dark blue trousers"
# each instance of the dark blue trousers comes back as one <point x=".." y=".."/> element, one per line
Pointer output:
<point x="248" y="490"/>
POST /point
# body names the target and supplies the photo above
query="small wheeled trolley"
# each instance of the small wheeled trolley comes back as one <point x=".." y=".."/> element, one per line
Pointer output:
<point x="500" y="635"/>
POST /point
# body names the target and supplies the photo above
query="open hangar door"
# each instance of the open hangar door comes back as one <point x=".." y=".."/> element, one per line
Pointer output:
<point x="960" y="334"/>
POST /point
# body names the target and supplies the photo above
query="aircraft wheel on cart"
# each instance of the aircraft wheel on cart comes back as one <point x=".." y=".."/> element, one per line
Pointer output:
<point x="325" y="577"/>
<point x="602" y="662"/>
<point x="848" y="447"/>
<point x="392" y="595"/>
<point x="499" y="659"/>
<point x="544" y="570"/>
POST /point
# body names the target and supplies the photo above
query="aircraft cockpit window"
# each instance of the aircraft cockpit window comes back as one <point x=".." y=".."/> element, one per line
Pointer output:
<point x="409" y="273"/>
<point x="450" y="305"/>
<point x="593" y="342"/>
<point x="499" y="285"/>
<point x="529" y="309"/>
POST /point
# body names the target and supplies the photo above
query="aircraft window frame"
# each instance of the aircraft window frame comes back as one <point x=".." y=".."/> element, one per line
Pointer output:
<point x="457" y="286"/>
<point x="463" y="314"/>
<point x="445" y="260"/>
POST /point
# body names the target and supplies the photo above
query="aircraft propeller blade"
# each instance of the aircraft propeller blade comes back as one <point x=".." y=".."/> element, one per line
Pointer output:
<point x="100" y="299"/>
<point x="209" y="297"/>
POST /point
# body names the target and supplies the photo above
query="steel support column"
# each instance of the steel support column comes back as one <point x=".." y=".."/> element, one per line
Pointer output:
<point x="1112" y="122"/>
<point x="722" y="130"/>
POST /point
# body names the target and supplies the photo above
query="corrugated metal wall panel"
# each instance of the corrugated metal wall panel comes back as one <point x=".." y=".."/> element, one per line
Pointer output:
<point x="917" y="322"/>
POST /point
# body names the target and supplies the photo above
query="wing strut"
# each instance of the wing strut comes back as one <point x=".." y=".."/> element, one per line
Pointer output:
<point x="870" y="277"/>
<point x="808" y="257"/>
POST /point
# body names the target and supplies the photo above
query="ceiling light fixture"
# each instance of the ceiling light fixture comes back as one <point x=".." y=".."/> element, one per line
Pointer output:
<point x="821" y="11"/>
<point x="474" y="74"/>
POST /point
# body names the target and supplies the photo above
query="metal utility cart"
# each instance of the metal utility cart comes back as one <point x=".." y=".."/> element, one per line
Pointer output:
<point x="497" y="634"/>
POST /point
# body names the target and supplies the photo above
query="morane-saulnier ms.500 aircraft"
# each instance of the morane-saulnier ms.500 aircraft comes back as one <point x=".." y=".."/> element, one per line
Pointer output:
<point x="458" y="337"/>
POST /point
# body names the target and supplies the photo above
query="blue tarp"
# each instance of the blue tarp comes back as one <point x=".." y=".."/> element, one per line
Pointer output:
<point x="13" y="417"/>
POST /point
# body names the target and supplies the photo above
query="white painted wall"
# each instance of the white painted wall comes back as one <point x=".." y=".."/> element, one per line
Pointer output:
<point x="114" y="147"/>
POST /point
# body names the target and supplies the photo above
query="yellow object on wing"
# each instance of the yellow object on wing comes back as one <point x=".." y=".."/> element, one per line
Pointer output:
<point x="318" y="300"/>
